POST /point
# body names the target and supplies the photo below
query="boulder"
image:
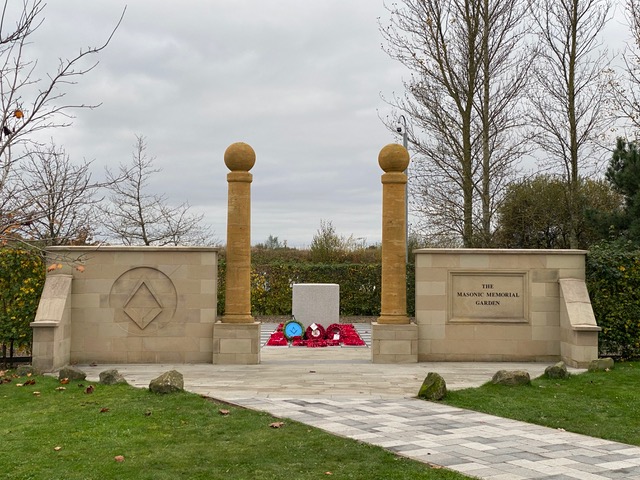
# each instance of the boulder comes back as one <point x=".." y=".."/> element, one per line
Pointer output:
<point x="433" y="388"/>
<point x="111" y="377"/>
<point x="72" y="373"/>
<point x="171" y="381"/>
<point x="601" y="364"/>
<point x="24" y="370"/>
<point x="557" y="371"/>
<point x="511" y="378"/>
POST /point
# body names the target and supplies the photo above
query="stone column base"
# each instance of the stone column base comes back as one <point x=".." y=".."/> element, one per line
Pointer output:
<point x="394" y="343"/>
<point x="236" y="343"/>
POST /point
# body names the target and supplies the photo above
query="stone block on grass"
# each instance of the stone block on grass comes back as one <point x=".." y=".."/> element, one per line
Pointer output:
<point x="24" y="370"/>
<point x="111" y="377"/>
<point x="511" y="378"/>
<point x="72" y="373"/>
<point x="557" y="371"/>
<point x="601" y="364"/>
<point x="433" y="388"/>
<point x="168" y="382"/>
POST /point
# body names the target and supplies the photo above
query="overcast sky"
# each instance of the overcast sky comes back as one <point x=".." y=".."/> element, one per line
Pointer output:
<point x="300" y="81"/>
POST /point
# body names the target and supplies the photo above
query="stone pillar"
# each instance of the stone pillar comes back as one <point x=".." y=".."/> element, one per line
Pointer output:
<point x="394" y="338"/>
<point x="236" y="338"/>
<point x="239" y="158"/>
<point x="394" y="159"/>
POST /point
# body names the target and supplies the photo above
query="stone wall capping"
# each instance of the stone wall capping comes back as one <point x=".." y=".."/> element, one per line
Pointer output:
<point x="499" y="251"/>
<point x="135" y="248"/>
<point x="45" y="323"/>
<point x="586" y="328"/>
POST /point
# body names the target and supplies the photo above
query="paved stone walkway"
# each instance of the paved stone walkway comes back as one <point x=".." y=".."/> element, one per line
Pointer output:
<point x="472" y="443"/>
<point x="339" y="390"/>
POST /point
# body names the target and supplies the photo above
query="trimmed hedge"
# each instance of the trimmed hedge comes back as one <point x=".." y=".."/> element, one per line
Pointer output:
<point x="613" y="280"/>
<point x="271" y="286"/>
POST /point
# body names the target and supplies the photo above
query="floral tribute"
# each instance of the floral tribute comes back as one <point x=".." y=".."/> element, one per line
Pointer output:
<point x="316" y="335"/>
<point x="277" y="338"/>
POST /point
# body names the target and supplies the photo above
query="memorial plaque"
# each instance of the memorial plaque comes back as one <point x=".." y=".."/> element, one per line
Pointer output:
<point x="488" y="297"/>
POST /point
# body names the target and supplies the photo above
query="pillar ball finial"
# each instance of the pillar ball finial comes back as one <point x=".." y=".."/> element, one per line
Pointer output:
<point x="393" y="158"/>
<point x="239" y="157"/>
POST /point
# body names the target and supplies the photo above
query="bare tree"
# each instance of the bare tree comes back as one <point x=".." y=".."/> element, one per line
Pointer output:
<point x="570" y="94"/>
<point x="59" y="198"/>
<point x="626" y="90"/>
<point x="469" y="71"/>
<point x="136" y="217"/>
<point x="505" y="71"/>
<point x="29" y="104"/>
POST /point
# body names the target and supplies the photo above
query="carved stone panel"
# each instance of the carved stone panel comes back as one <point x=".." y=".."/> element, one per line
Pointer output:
<point x="144" y="296"/>
<point x="488" y="297"/>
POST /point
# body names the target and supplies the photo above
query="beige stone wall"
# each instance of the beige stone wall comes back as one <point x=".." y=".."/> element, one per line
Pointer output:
<point x="140" y="304"/>
<point x="518" y="317"/>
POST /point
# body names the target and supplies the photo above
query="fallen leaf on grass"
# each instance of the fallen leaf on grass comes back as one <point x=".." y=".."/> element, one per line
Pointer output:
<point x="104" y="410"/>
<point x="18" y="384"/>
<point x="224" y="412"/>
<point x="64" y="381"/>
<point x="30" y="382"/>
<point x="60" y="389"/>
<point x="276" y="424"/>
<point x="5" y="380"/>
<point x="328" y="473"/>
<point x="57" y="449"/>
<point x="119" y="458"/>
<point x="89" y="389"/>
<point x="37" y="394"/>
<point x="147" y="413"/>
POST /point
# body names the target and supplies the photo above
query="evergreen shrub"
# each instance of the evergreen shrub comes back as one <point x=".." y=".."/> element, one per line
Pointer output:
<point x="613" y="281"/>
<point x="22" y="274"/>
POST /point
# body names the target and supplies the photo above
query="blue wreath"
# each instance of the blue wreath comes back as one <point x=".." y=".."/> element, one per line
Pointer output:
<point x="300" y="330"/>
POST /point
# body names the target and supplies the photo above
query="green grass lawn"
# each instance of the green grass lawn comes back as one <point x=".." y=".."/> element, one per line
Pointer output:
<point x="598" y="404"/>
<point x="69" y="434"/>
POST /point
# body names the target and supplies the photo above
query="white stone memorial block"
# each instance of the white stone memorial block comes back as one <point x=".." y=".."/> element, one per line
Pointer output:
<point x="316" y="303"/>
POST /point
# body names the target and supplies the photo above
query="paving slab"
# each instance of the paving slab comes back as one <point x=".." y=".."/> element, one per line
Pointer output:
<point x="339" y="390"/>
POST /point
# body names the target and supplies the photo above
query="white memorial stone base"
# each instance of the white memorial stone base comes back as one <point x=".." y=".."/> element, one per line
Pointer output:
<point x="394" y="343"/>
<point x="236" y="343"/>
<point x="316" y="303"/>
